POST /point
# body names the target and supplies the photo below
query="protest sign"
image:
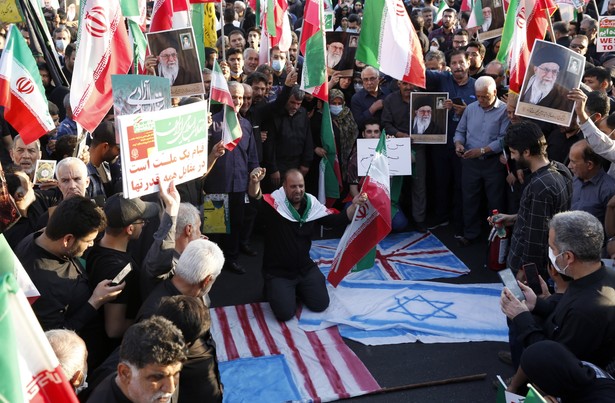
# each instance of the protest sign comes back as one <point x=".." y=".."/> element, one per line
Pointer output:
<point x="606" y="34"/>
<point x="134" y="93"/>
<point x="168" y="145"/>
<point x="398" y="153"/>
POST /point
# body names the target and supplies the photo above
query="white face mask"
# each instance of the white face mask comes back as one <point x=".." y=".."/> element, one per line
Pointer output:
<point x="553" y="258"/>
<point x="433" y="48"/>
<point x="358" y="87"/>
<point x="336" y="109"/>
<point x="61" y="44"/>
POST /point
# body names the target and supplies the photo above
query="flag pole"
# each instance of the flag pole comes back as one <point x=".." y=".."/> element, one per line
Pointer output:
<point x="222" y="32"/>
<point x="550" y="25"/>
<point x="596" y="7"/>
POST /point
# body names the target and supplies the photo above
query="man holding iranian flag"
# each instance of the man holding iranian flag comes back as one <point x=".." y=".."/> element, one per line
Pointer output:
<point x="291" y="215"/>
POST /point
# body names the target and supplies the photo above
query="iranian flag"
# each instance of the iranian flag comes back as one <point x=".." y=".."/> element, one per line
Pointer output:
<point x="10" y="263"/>
<point x="371" y="222"/>
<point x="389" y="43"/>
<point x="276" y="25"/>
<point x="30" y="370"/>
<point x="526" y="21"/>
<point x="134" y="12"/>
<point x="231" y="135"/>
<point x="103" y="49"/>
<point x="438" y="17"/>
<point x="21" y="90"/>
<point x="162" y="16"/>
<point x="330" y="174"/>
<point x="476" y="15"/>
<point x="314" y="76"/>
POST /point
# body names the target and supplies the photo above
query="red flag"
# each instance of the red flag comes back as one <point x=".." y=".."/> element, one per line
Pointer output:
<point x="162" y="16"/>
<point x="103" y="49"/>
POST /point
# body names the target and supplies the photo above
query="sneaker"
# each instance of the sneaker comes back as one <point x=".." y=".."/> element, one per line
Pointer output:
<point x="440" y="224"/>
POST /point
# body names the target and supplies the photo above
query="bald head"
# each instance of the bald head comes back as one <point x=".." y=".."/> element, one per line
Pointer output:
<point x="72" y="175"/>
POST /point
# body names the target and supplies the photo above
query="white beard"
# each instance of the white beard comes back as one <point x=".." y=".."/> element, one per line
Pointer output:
<point x="333" y="60"/>
<point x="540" y="90"/>
<point x="169" y="72"/>
<point x="486" y="24"/>
<point x="422" y="123"/>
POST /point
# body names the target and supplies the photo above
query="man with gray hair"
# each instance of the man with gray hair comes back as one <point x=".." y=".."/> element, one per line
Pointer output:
<point x="478" y="142"/>
<point x="584" y="318"/>
<point x="26" y="155"/>
<point x="72" y="354"/>
<point x="197" y="269"/>
<point x="151" y="357"/>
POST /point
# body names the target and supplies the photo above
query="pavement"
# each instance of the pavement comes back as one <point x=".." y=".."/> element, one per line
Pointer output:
<point x="403" y="364"/>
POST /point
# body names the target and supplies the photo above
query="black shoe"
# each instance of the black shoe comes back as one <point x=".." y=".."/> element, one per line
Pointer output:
<point x="246" y="250"/>
<point x="438" y="225"/>
<point x="421" y="227"/>
<point x="234" y="267"/>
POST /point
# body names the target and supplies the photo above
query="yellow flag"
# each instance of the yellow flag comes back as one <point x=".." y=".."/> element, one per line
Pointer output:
<point x="209" y="26"/>
<point x="9" y="12"/>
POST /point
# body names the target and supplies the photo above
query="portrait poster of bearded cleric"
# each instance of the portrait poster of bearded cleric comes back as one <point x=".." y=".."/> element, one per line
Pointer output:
<point x="180" y="64"/>
<point x="493" y="19"/>
<point x="428" y="117"/>
<point x="553" y="70"/>
<point x="341" y="49"/>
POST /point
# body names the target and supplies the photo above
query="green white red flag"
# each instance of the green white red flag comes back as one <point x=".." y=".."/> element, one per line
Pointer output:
<point x="438" y="17"/>
<point x="10" y="263"/>
<point x="526" y="21"/>
<point x="312" y="45"/>
<point x="276" y="25"/>
<point x="103" y="49"/>
<point x="330" y="174"/>
<point x="21" y="90"/>
<point x="476" y="15"/>
<point x="30" y="370"/>
<point x="219" y="92"/>
<point x="371" y="222"/>
<point x="135" y="14"/>
<point x="389" y="42"/>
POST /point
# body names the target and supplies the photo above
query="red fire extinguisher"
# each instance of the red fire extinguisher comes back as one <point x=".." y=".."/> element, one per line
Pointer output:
<point x="499" y="241"/>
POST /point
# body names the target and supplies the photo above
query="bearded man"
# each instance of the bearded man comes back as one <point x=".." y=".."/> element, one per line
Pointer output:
<point x="542" y="88"/>
<point x="487" y="19"/>
<point x="335" y="52"/>
<point x="168" y="66"/>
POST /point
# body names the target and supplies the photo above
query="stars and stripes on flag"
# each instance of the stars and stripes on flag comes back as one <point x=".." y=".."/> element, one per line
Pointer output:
<point x="219" y="92"/>
<point x="526" y="21"/>
<point x="103" y="49"/>
<point x="323" y="367"/>
<point x="389" y="42"/>
<point x="30" y="370"/>
<point x="21" y="90"/>
<point x="371" y="222"/>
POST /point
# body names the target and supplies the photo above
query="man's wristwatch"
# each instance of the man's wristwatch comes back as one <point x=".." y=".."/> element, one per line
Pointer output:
<point x="482" y="151"/>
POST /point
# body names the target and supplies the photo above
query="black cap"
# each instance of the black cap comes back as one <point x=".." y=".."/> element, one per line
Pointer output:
<point x="549" y="54"/>
<point x="122" y="212"/>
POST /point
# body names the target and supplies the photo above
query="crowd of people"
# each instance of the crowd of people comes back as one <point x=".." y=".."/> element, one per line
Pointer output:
<point x="135" y="335"/>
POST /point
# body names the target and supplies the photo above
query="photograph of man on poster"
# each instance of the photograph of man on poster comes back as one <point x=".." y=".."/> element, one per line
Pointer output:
<point x="553" y="70"/>
<point x="493" y="19"/>
<point x="341" y="49"/>
<point x="428" y="121"/>
<point x="172" y="59"/>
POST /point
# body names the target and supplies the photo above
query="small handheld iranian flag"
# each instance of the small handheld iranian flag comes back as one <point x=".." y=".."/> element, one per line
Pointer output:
<point x="232" y="133"/>
<point x="476" y="15"/>
<point x="30" y="370"/>
<point x="314" y="77"/>
<point x="371" y="222"/>
<point x="389" y="42"/>
<point x="22" y="91"/>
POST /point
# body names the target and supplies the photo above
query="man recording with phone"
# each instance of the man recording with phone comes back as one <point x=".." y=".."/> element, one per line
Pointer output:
<point x="584" y="319"/>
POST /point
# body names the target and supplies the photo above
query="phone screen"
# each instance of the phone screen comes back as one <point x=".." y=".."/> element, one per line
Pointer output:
<point x="458" y="101"/>
<point x="532" y="277"/>
<point x="121" y="275"/>
<point x="510" y="282"/>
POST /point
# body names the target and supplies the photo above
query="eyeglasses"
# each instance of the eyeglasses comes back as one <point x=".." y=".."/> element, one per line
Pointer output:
<point x="549" y="71"/>
<point x="169" y="56"/>
<point x="140" y="222"/>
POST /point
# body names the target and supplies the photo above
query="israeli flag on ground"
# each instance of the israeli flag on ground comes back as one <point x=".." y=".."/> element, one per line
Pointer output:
<point x="388" y="312"/>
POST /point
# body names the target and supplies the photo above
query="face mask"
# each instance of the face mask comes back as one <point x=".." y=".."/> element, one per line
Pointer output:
<point x="433" y="48"/>
<point x="583" y="32"/>
<point x="277" y="65"/>
<point x="552" y="258"/>
<point x="358" y="87"/>
<point x="336" y="109"/>
<point x="83" y="386"/>
<point x="61" y="44"/>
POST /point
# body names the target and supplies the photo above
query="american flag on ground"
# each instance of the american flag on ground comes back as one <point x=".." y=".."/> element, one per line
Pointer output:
<point x="323" y="367"/>
<point x="403" y="256"/>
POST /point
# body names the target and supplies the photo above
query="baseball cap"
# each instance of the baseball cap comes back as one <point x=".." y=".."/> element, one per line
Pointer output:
<point x="122" y="212"/>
